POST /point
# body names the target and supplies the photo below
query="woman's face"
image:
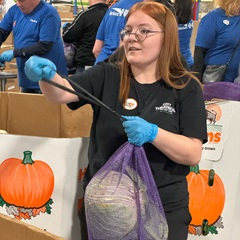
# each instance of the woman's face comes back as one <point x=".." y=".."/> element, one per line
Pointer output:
<point x="142" y="53"/>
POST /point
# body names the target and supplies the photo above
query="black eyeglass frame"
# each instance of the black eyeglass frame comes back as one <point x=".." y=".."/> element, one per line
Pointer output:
<point x="124" y="32"/>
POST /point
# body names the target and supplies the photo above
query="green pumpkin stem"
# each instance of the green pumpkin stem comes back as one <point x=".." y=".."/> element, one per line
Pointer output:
<point x="27" y="159"/>
<point x="205" y="227"/>
<point x="211" y="176"/>
<point x="195" y="169"/>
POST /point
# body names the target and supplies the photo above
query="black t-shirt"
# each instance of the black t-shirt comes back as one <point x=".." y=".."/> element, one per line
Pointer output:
<point x="177" y="111"/>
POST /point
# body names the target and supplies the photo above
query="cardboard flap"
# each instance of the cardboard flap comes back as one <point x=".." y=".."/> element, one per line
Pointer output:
<point x="33" y="115"/>
<point x="76" y="123"/>
<point x="3" y="110"/>
<point x="13" y="229"/>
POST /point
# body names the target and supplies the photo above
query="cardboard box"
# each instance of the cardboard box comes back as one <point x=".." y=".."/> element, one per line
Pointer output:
<point x="67" y="158"/>
<point x="62" y="7"/>
<point x="12" y="229"/>
<point x="34" y="115"/>
<point x="12" y="84"/>
<point x="59" y="137"/>
<point x="3" y="111"/>
<point x="5" y="47"/>
<point x="65" y="151"/>
<point x="221" y="153"/>
<point x="66" y="15"/>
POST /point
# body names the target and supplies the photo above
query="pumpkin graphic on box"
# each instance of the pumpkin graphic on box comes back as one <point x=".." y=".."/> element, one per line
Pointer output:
<point x="26" y="186"/>
<point x="206" y="201"/>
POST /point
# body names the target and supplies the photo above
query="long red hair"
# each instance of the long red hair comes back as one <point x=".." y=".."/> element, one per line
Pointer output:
<point x="170" y="66"/>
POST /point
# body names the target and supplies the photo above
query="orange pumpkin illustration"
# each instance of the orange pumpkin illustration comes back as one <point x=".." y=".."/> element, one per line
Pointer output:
<point x="206" y="200"/>
<point x="26" y="183"/>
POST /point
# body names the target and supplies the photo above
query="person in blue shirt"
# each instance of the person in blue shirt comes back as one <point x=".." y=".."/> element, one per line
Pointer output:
<point x="107" y="39"/>
<point x="36" y="29"/>
<point x="185" y="27"/>
<point x="218" y="35"/>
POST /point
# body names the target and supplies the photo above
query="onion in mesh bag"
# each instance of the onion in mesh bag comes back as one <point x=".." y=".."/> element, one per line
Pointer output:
<point x="110" y="205"/>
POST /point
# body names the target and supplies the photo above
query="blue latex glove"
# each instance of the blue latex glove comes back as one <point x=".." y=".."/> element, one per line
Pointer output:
<point x="138" y="130"/>
<point x="64" y="25"/>
<point x="6" y="56"/>
<point x="38" y="68"/>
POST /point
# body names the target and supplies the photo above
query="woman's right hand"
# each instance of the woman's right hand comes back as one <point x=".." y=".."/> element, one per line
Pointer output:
<point x="38" y="68"/>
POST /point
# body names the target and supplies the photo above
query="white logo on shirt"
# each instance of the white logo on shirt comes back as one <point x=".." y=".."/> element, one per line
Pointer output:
<point x="185" y="26"/>
<point x="31" y="20"/>
<point x="167" y="108"/>
<point x="119" y="12"/>
<point x="226" y="22"/>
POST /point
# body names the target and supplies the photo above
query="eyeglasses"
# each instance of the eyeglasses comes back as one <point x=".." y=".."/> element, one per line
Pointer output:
<point x="141" y="34"/>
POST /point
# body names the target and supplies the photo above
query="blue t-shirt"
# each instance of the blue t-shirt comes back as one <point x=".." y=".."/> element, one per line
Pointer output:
<point x="220" y="34"/>
<point x="113" y="22"/>
<point x="42" y="24"/>
<point x="185" y="33"/>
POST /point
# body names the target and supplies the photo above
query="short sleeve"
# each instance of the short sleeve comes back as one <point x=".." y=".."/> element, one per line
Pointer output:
<point x="50" y="27"/>
<point x="192" y="111"/>
<point x="207" y="30"/>
<point x="90" y="80"/>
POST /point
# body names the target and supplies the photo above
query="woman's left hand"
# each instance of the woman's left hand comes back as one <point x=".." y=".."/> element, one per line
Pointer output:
<point x="138" y="130"/>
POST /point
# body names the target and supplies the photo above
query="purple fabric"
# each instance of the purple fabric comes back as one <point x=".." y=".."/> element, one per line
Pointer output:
<point x="69" y="52"/>
<point x="222" y="90"/>
<point x="122" y="200"/>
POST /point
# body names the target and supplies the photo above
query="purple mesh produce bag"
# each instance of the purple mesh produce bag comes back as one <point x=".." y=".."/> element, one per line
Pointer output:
<point x="122" y="200"/>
